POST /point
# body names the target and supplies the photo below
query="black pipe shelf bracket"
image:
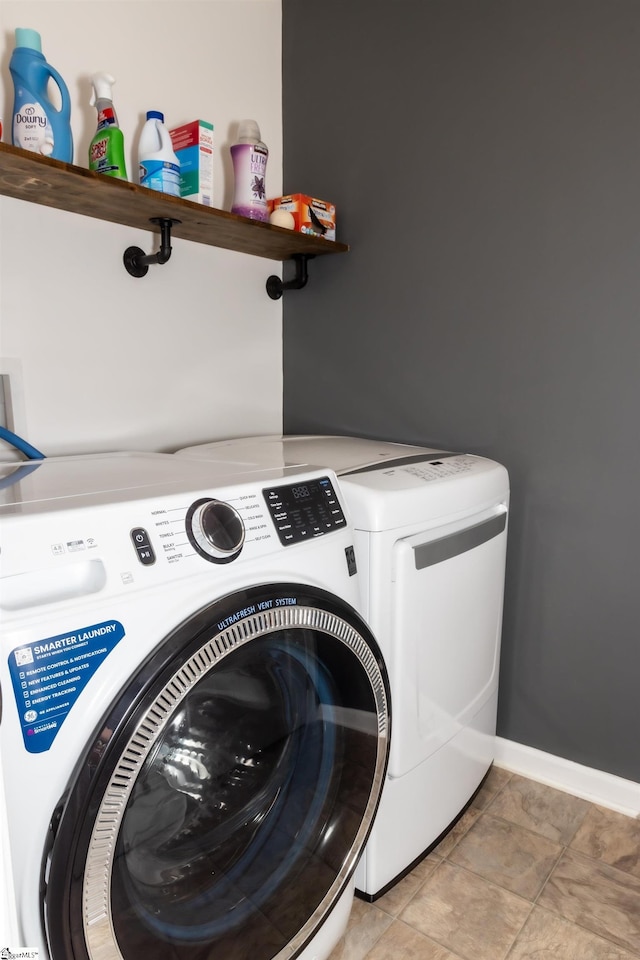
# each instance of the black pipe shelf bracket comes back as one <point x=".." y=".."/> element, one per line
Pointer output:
<point x="137" y="262"/>
<point x="276" y="286"/>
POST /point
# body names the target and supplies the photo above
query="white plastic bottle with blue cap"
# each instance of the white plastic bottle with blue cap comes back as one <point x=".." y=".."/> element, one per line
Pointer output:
<point x="159" y="167"/>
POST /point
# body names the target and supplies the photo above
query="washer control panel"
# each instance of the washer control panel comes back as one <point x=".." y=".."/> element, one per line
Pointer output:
<point x="303" y="510"/>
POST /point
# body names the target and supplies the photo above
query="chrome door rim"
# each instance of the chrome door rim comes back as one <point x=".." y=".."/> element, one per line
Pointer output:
<point x="98" y="924"/>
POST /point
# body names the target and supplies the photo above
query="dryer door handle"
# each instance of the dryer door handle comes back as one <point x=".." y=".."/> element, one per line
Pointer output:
<point x="444" y="548"/>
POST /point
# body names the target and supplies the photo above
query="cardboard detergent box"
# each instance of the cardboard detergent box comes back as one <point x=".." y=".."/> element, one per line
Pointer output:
<point x="193" y="146"/>
<point x="313" y="216"/>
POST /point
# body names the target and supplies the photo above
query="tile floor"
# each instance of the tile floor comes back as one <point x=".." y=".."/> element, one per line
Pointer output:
<point x="528" y="873"/>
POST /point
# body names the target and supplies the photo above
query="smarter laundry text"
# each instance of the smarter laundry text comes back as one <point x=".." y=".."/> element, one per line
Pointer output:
<point x="73" y="639"/>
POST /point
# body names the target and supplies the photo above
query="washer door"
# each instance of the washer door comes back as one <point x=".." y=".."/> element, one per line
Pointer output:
<point x="221" y="809"/>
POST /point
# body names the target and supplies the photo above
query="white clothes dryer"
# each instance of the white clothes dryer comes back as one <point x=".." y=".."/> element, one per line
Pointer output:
<point x="195" y="722"/>
<point x="430" y="537"/>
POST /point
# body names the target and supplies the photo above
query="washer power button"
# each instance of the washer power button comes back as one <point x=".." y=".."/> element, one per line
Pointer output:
<point x="143" y="547"/>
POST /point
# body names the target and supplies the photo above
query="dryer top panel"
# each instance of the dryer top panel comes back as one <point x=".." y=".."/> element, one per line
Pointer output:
<point x="405" y="494"/>
<point x="340" y="454"/>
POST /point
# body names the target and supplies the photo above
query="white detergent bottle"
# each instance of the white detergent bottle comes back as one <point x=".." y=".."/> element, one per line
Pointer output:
<point x="159" y="168"/>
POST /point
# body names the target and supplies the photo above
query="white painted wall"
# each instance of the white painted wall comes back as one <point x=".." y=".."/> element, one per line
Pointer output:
<point x="193" y="351"/>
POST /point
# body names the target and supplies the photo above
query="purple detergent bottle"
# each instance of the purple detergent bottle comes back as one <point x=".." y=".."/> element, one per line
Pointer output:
<point x="249" y="156"/>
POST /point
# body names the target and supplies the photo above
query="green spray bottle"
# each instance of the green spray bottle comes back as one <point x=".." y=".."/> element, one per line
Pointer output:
<point x="106" y="151"/>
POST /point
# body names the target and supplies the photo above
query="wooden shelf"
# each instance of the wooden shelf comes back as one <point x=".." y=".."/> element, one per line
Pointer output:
<point x="28" y="176"/>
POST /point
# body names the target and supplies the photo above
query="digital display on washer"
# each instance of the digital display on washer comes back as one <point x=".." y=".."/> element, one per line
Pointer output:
<point x="304" y="510"/>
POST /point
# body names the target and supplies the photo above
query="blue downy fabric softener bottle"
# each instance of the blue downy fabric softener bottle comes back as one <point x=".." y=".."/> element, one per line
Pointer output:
<point x="38" y="125"/>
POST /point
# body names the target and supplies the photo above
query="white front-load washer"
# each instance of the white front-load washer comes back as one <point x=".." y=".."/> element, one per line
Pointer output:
<point x="430" y="536"/>
<point x="195" y="722"/>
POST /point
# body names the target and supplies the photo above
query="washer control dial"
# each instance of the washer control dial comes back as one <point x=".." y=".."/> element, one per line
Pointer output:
<point x="215" y="529"/>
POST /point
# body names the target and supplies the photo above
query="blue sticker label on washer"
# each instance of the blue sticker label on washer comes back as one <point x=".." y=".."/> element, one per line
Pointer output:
<point x="49" y="676"/>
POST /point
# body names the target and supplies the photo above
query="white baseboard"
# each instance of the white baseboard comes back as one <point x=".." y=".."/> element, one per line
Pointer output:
<point x="594" y="785"/>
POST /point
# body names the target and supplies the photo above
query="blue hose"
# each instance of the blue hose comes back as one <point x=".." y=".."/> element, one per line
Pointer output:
<point x="30" y="452"/>
<point x="21" y="472"/>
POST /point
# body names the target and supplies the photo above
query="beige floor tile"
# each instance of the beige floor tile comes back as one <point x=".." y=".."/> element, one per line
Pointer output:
<point x="401" y="942"/>
<point x="399" y="896"/>
<point x="611" y="837"/>
<point x="474" y="905"/>
<point x="366" y="926"/>
<point x="508" y="855"/>
<point x="496" y="779"/>
<point x="427" y="865"/>
<point x="596" y="896"/>
<point x="473" y="918"/>
<point x="548" y="937"/>
<point x="551" y="813"/>
<point x="447" y="844"/>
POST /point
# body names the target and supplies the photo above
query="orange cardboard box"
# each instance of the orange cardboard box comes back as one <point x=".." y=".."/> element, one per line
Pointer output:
<point x="313" y="216"/>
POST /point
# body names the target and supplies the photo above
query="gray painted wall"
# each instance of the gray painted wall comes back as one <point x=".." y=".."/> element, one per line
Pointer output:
<point x="484" y="156"/>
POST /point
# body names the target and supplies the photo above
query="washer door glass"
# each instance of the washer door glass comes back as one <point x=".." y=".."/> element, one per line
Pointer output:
<point x="232" y="817"/>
